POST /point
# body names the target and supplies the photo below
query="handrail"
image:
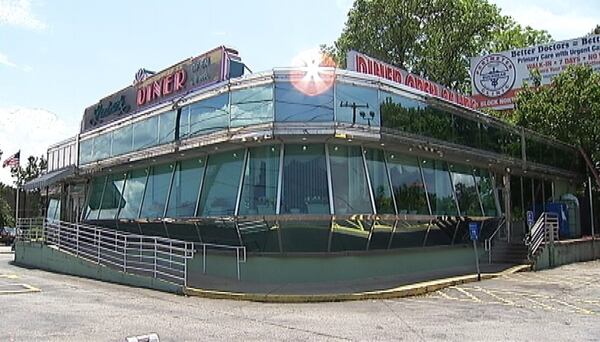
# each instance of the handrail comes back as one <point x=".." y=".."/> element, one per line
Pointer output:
<point x="119" y="249"/>
<point x="487" y="243"/>
<point x="161" y="258"/>
<point x="544" y="231"/>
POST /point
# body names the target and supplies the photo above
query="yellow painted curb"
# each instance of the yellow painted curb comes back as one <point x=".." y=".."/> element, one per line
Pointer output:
<point x="397" y="292"/>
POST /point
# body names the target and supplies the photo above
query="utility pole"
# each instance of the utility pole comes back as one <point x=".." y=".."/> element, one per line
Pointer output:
<point x="354" y="106"/>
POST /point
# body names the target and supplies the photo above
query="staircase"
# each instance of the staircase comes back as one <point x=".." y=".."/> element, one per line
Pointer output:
<point x="509" y="253"/>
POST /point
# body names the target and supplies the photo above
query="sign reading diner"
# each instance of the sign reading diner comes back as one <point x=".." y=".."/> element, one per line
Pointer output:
<point x="152" y="89"/>
<point x="368" y="65"/>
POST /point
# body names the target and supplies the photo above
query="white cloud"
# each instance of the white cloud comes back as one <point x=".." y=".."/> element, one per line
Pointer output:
<point x="563" y="19"/>
<point x="18" y="13"/>
<point x="4" y="60"/>
<point x="30" y="130"/>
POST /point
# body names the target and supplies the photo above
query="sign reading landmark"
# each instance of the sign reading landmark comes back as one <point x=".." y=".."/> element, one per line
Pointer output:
<point x="496" y="78"/>
<point x="359" y="62"/>
<point x="154" y="88"/>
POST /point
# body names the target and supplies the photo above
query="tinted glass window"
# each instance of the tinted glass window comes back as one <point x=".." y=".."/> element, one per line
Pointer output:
<point x="293" y="105"/>
<point x="132" y="194"/>
<point x="408" y="184"/>
<point x="157" y="187"/>
<point x="350" y="190"/>
<point x="439" y="188"/>
<point x="205" y="116"/>
<point x="379" y="181"/>
<point x="252" y="106"/>
<point x="85" y="151"/>
<point x="220" y="187"/>
<point x="112" y="196"/>
<point x="167" y="126"/>
<point x="122" y="140"/>
<point x="95" y="197"/>
<point x="259" y="191"/>
<point x="184" y="191"/>
<point x="356" y="104"/>
<point x="465" y="190"/>
<point x="305" y="187"/>
<point x="145" y="133"/>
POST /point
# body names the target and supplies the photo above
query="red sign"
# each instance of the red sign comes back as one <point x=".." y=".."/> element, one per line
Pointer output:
<point x="165" y="85"/>
<point x="362" y="63"/>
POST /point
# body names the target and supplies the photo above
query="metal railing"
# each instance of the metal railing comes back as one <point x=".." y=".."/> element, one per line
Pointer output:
<point x="543" y="232"/>
<point x="487" y="243"/>
<point x="158" y="257"/>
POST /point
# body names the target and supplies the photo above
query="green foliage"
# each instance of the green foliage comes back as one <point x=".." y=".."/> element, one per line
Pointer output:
<point x="568" y="109"/>
<point x="596" y="30"/>
<point x="434" y="38"/>
<point x="34" y="169"/>
<point x="7" y="217"/>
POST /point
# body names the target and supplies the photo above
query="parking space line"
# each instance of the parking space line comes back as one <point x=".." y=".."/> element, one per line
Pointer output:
<point x="574" y="307"/>
<point x="491" y="294"/>
<point x="9" y="276"/>
<point x="26" y="289"/>
<point x="463" y="291"/>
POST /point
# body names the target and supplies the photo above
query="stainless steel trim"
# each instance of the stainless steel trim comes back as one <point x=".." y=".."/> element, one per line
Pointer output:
<point x="329" y="183"/>
<point x="241" y="183"/>
<point x="280" y="179"/>
<point x="367" y="175"/>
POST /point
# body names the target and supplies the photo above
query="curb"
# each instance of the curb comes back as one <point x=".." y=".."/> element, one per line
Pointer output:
<point x="397" y="292"/>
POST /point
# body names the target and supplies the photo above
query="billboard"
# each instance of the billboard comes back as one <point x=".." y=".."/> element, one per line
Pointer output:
<point x="496" y="78"/>
<point x="359" y="62"/>
<point x="190" y="74"/>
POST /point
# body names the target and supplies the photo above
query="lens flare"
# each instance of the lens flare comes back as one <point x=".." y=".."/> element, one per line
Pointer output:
<point x="313" y="72"/>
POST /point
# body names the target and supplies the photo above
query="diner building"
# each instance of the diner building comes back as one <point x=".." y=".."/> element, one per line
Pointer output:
<point x="308" y="163"/>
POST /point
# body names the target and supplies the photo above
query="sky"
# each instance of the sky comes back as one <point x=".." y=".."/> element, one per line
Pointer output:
<point x="58" y="57"/>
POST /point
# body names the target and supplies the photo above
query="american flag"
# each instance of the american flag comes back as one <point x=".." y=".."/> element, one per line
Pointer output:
<point x="13" y="160"/>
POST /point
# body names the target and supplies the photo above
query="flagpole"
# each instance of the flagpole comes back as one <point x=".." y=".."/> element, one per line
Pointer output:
<point x="17" y="206"/>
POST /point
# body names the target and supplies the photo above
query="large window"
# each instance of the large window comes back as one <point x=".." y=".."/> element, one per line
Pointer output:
<point x="439" y="188"/>
<point x="145" y="133"/>
<point x="166" y="128"/>
<point x="133" y="193"/>
<point x="350" y="190"/>
<point x="112" y="196"/>
<point x="86" y="150"/>
<point x="155" y="194"/>
<point x="295" y="106"/>
<point x="465" y="190"/>
<point x="305" y="187"/>
<point x="408" y="184"/>
<point x="259" y="190"/>
<point x="102" y="144"/>
<point x="219" y="191"/>
<point x="356" y="104"/>
<point x="122" y="140"/>
<point x="382" y="193"/>
<point x="205" y="116"/>
<point x="487" y="191"/>
<point x="185" y="187"/>
<point x="95" y="197"/>
<point x="252" y="106"/>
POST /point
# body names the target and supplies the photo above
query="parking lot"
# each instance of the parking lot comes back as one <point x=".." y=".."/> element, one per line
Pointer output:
<point x="556" y="305"/>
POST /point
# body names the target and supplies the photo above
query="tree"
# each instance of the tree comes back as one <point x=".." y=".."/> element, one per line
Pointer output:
<point x="34" y="168"/>
<point x="7" y="217"/>
<point x="433" y="38"/>
<point x="596" y="30"/>
<point x="568" y="109"/>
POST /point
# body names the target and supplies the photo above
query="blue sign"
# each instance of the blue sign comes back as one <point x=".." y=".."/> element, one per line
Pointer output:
<point x="474" y="230"/>
<point x="530" y="218"/>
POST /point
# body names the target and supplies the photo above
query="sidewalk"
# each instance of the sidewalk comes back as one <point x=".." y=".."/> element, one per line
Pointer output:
<point x="374" y="288"/>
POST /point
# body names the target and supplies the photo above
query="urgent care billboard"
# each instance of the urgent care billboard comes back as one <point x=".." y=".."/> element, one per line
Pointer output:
<point x="496" y="78"/>
<point x="359" y="62"/>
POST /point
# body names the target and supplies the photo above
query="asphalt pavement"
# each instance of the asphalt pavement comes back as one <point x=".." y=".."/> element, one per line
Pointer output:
<point x="556" y="305"/>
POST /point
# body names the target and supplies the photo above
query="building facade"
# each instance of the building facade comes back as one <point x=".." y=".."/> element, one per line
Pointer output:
<point x="287" y="162"/>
